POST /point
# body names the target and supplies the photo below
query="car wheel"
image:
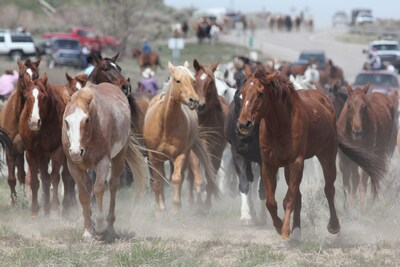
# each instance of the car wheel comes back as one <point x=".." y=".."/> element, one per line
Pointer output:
<point x="16" y="55"/>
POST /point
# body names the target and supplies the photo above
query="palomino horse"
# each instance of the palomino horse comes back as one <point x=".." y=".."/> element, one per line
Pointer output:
<point x="211" y="111"/>
<point x="295" y="125"/>
<point x="40" y="130"/>
<point x="144" y="59"/>
<point x="171" y="132"/>
<point x="367" y="120"/>
<point x="96" y="133"/>
<point x="9" y="119"/>
<point x="245" y="150"/>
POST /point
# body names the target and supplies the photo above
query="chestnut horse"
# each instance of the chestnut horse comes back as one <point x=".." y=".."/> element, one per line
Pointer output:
<point x="211" y="111"/>
<point x="171" y="132"/>
<point x="295" y="125"/>
<point x="40" y="131"/>
<point x="369" y="121"/>
<point x="77" y="82"/>
<point x="96" y="133"/>
<point x="9" y="119"/>
<point x="145" y="60"/>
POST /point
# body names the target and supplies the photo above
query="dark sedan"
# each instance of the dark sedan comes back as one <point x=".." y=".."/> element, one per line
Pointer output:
<point x="381" y="81"/>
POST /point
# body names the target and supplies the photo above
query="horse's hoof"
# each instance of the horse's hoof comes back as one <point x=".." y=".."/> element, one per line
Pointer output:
<point x="246" y="221"/>
<point x="296" y="235"/>
<point x="333" y="229"/>
<point x="87" y="235"/>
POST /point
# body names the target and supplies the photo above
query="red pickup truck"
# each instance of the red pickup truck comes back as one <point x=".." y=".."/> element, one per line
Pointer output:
<point x="87" y="37"/>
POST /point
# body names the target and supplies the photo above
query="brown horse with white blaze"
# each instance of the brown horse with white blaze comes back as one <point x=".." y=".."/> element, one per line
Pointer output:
<point x="294" y="125"/>
<point x="211" y="111"/>
<point x="96" y="134"/>
<point x="9" y="121"/>
<point x="171" y="132"/>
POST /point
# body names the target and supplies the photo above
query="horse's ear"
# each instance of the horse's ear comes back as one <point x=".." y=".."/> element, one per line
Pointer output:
<point x="20" y="64"/>
<point x="186" y="64"/>
<point x="247" y="70"/>
<point x="114" y="59"/>
<point x="214" y="66"/>
<point x="44" y="79"/>
<point x="366" y="87"/>
<point x="348" y="89"/>
<point x="96" y="59"/>
<point x="37" y="62"/>
<point x="171" y="67"/>
<point x="196" y="65"/>
<point x="272" y="75"/>
<point x="69" y="78"/>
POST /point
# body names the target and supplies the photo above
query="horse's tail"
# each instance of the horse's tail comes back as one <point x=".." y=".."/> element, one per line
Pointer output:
<point x="201" y="151"/>
<point x="371" y="163"/>
<point x="6" y="143"/>
<point x="138" y="166"/>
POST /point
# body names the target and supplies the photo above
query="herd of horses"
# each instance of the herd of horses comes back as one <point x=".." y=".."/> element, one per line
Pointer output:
<point x="96" y="124"/>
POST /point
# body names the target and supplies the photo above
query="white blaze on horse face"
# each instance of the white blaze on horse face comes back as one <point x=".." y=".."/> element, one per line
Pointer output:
<point x="35" y="116"/>
<point x="78" y="85"/>
<point x="74" y="131"/>
<point x="203" y="76"/>
<point x="251" y="84"/>
<point x="30" y="72"/>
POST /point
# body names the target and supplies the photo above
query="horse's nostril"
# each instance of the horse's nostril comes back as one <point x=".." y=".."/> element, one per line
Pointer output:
<point x="82" y="152"/>
<point x="39" y="123"/>
<point x="191" y="100"/>
<point x="248" y="124"/>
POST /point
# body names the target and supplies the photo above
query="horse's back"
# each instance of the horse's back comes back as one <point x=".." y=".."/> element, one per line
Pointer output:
<point x="8" y="115"/>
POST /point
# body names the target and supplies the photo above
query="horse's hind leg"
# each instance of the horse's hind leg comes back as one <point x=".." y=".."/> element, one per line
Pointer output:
<point x="328" y="164"/>
<point x="102" y="169"/>
<point x="43" y="164"/>
<point x="12" y="181"/>
<point x="33" y="167"/>
<point x="180" y="164"/>
<point x="195" y="178"/>
<point x="348" y="175"/>
<point x="69" y="200"/>
<point x="56" y="162"/>
<point x="363" y="188"/>
<point x="157" y="181"/>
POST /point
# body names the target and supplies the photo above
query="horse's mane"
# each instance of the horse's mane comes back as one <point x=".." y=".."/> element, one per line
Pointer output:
<point x="279" y="86"/>
<point x="84" y="96"/>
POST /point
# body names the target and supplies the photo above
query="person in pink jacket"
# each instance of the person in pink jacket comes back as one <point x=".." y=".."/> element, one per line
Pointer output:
<point x="7" y="83"/>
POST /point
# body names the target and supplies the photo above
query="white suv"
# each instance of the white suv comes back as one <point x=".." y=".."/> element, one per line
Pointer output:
<point x="387" y="50"/>
<point x="16" y="45"/>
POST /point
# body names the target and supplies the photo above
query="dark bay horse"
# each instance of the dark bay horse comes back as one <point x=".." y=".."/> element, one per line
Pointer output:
<point x="77" y="82"/>
<point x="367" y="120"/>
<point x="171" y="133"/>
<point x="96" y="134"/>
<point x="40" y="131"/>
<point x="295" y="125"/>
<point x="9" y="120"/>
<point x="245" y="150"/>
<point x="211" y="112"/>
<point x="337" y="97"/>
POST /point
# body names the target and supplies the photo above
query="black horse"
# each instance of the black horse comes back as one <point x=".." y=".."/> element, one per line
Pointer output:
<point x="245" y="150"/>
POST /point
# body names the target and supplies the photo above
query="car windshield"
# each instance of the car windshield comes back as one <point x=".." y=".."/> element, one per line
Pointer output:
<point x="319" y="58"/>
<point x="385" y="47"/>
<point x="377" y="79"/>
<point x="68" y="44"/>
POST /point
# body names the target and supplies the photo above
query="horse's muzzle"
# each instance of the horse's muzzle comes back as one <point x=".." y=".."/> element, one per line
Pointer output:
<point x="76" y="155"/>
<point x="356" y="134"/>
<point x="34" y="125"/>
<point x="245" y="128"/>
<point x="193" y="103"/>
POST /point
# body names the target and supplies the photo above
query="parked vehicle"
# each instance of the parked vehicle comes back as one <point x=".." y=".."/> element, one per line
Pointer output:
<point x="381" y="81"/>
<point x="387" y="50"/>
<point x="364" y="18"/>
<point x="317" y="56"/>
<point x="340" y="19"/>
<point x="87" y="37"/>
<point x="16" y="45"/>
<point x="64" y="52"/>
<point x="356" y="12"/>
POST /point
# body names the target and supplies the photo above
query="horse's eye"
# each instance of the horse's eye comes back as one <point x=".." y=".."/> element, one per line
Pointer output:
<point x="260" y="94"/>
<point x="87" y="120"/>
<point x="178" y="81"/>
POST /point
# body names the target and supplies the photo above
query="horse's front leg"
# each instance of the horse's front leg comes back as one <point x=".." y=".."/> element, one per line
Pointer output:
<point x="180" y="164"/>
<point x="293" y="175"/>
<point x="157" y="181"/>
<point x="81" y="178"/>
<point x="195" y="178"/>
<point x="102" y="169"/>
<point x="43" y="164"/>
<point x="33" y="167"/>
<point x="57" y="159"/>
<point x="268" y="174"/>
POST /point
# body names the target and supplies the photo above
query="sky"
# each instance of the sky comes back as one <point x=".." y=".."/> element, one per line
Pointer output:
<point x="322" y="10"/>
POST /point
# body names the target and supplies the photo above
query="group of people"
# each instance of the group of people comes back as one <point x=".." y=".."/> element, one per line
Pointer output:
<point x="375" y="63"/>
